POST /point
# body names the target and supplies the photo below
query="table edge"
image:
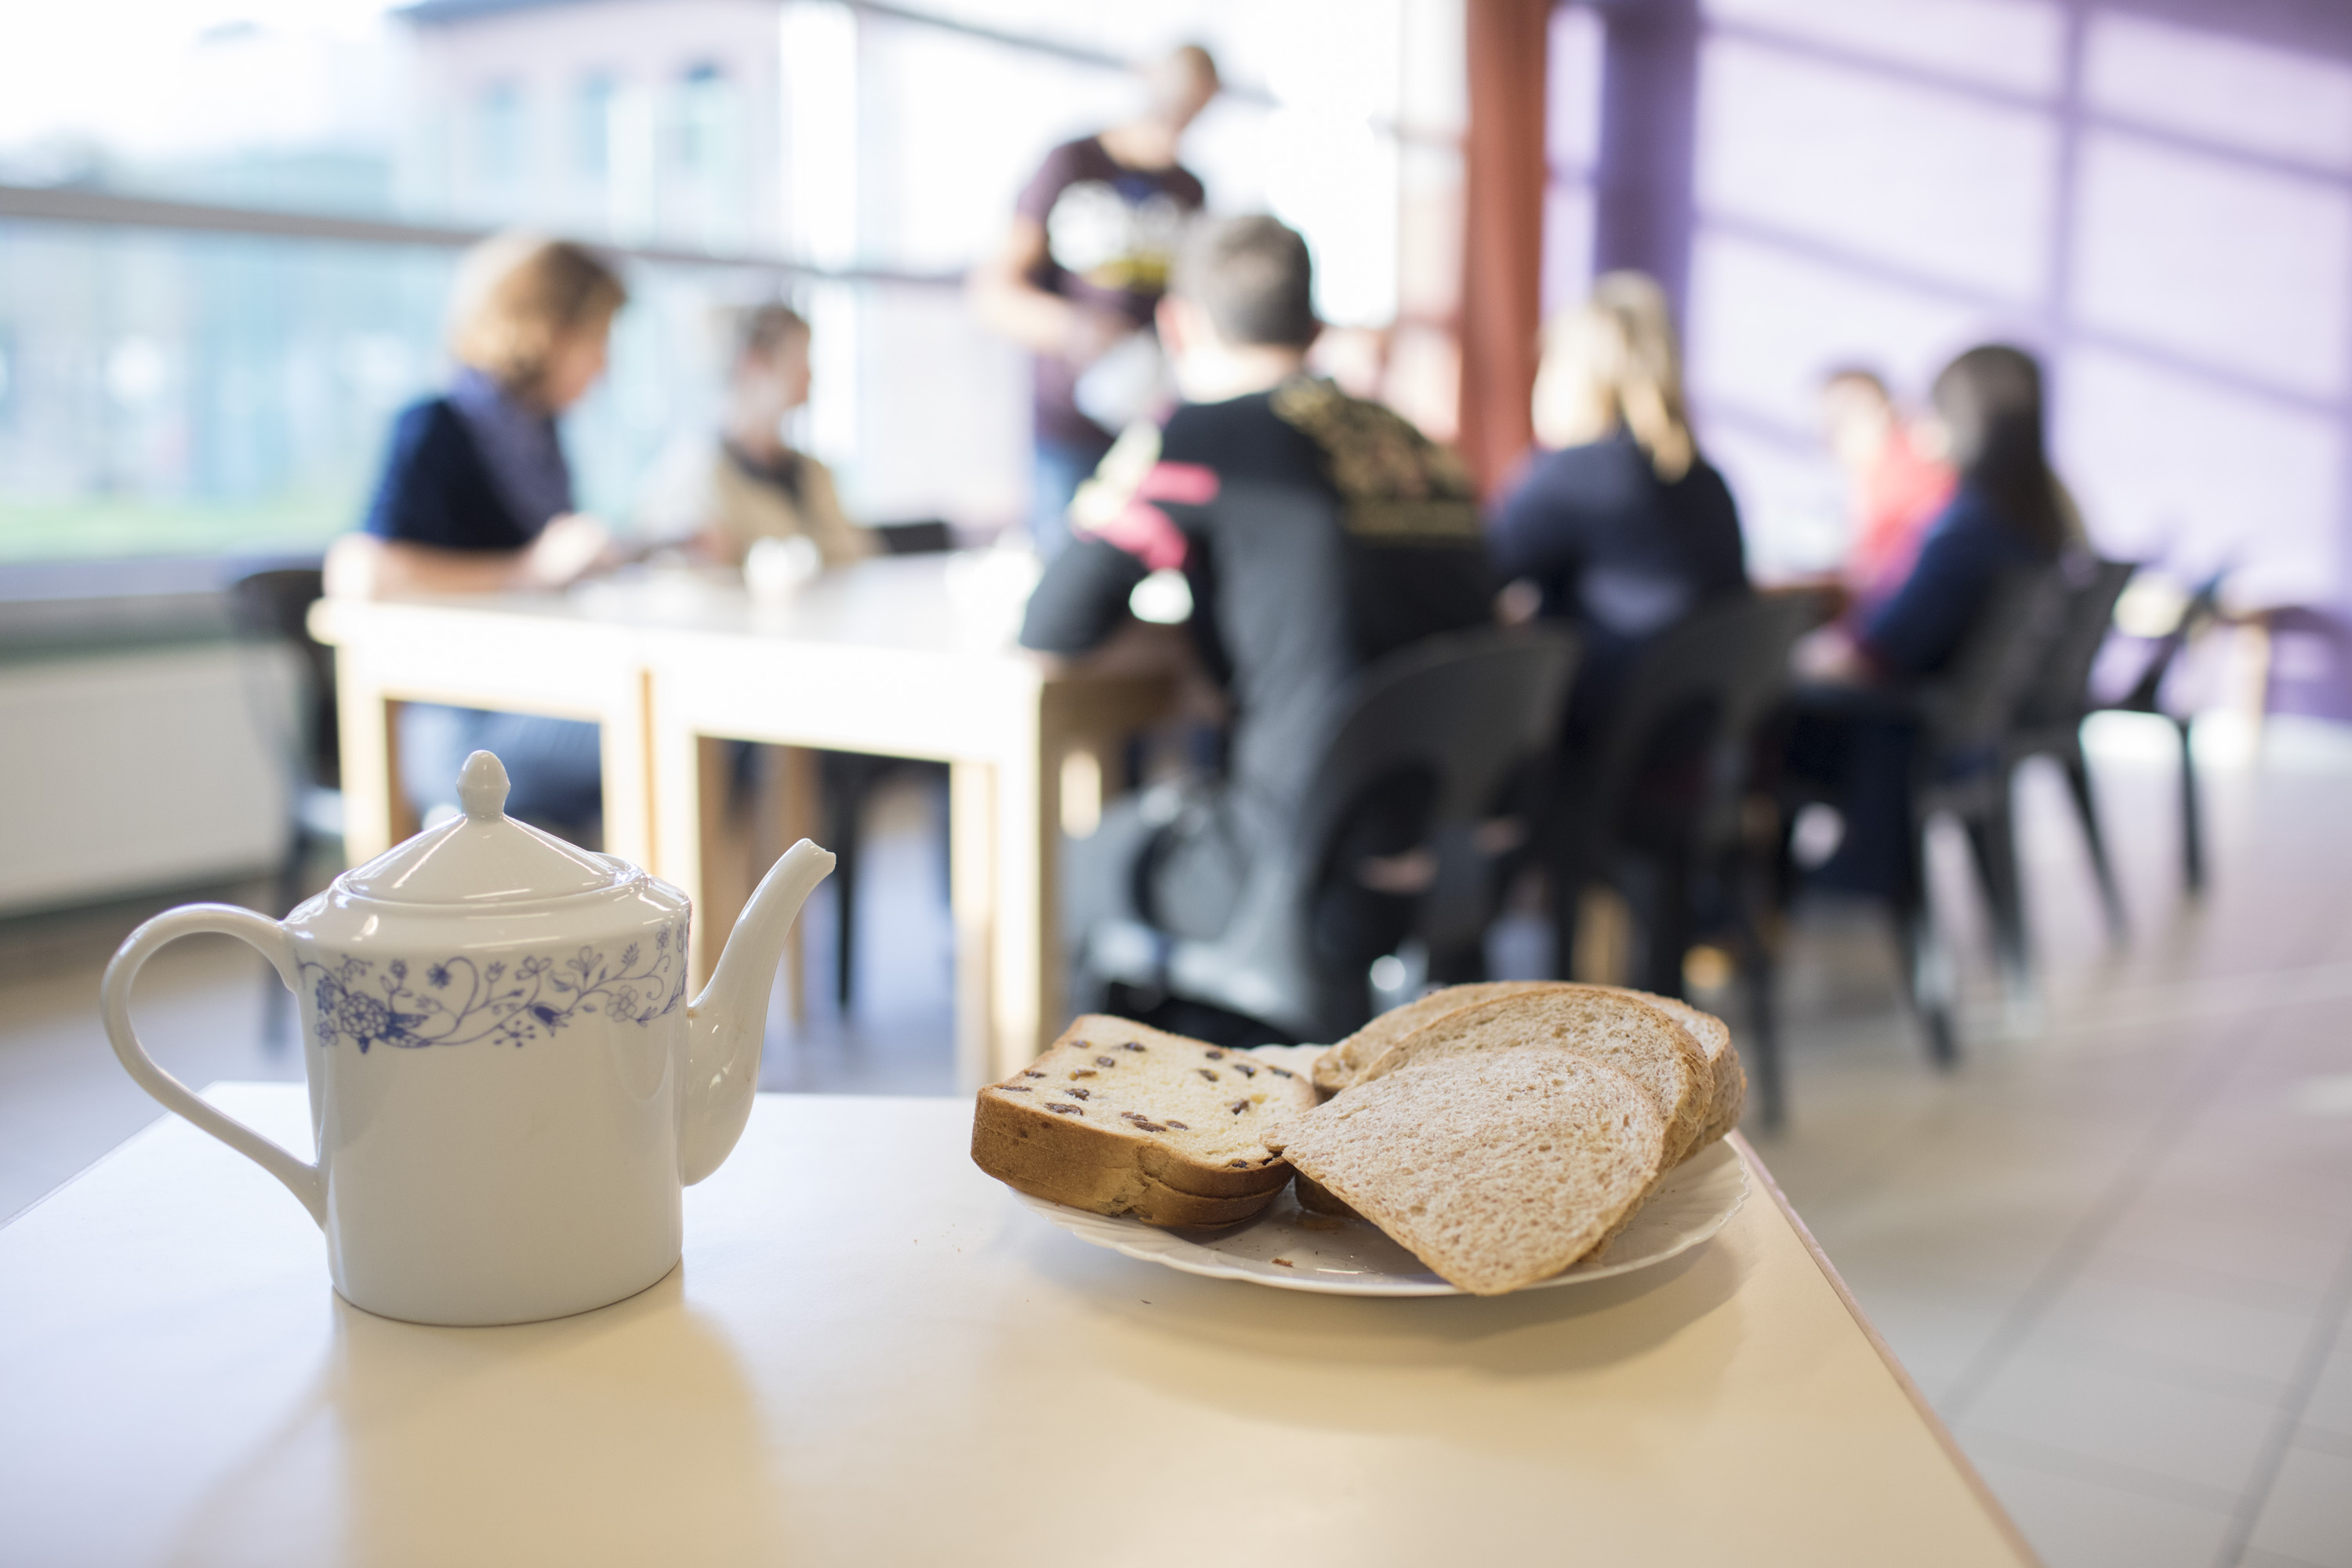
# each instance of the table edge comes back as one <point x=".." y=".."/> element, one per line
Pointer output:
<point x="1894" y="1367"/>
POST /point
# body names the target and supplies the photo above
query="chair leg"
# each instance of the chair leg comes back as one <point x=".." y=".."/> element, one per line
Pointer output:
<point x="1761" y="983"/>
<point x="275" y="999"/>
<point x="842" y="804"/>
<point x="2086" y="807"/>
<point x="2192" y="835"/>
<point x="1566" y="895"/>
<point x="1672" y="924"/>
<point x="1927" y="962"/>
<point x="1992" y="843"/>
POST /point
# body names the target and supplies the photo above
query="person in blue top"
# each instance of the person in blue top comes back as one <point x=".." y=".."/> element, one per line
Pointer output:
<point x="2008" y="512"/>
<point x="475" y="497"/>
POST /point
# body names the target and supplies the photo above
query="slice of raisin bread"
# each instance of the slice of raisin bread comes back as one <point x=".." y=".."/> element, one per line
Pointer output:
<point x="1496" y="1168"/>
<point x="1119" y="1119"/>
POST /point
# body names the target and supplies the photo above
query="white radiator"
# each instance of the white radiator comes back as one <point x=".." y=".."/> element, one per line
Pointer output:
<point x="137" y="770"/>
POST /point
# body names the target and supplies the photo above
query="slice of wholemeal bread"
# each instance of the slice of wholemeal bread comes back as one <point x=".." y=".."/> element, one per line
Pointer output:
<point x="1120" y="1118"/>
<point x="1338" y="1068"/>
<point x="1713" y="1035"/>
<point x="1496" y="1168"/>
<point x="1609" y="1026"/>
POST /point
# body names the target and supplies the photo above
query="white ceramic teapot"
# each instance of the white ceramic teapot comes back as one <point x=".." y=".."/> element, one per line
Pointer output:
<point x="507" y="1085"/>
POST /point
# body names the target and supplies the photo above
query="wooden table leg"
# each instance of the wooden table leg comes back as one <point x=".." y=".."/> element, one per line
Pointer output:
<point x="972" y="881"/>
<point x="370" y="780"/>
<point x="1028" y="1004"/>
<point x="624" y="730"/>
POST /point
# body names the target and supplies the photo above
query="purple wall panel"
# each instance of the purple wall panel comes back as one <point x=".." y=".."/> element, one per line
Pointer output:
<point x="2157" y="195"/>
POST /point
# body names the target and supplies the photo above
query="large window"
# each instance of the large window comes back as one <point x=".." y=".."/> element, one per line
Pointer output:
<point x="166" y="387"/>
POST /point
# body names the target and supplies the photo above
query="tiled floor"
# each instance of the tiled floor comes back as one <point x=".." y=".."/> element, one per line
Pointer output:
<point x="2114" y="1248"/>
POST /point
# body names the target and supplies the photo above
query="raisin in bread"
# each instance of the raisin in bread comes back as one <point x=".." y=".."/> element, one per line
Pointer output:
<point x="1119" y="1119"/>
<point x="1496" y="1168"/>
<point x="1609" y="1025"/>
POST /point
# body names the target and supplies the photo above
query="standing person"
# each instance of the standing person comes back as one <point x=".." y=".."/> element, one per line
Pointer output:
<point x="1081" y="271"/>
<point x="1315" y="532"/>
<point x="475" y="497"/>
<point x="751" y="484"/>
<point x="1894" y="489"/>
<point x="1622" y="527"/>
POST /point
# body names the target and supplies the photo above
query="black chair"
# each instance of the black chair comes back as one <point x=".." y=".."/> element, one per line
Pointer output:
<point x="271" y="609"/>
<point x="1447" y="723"/>
<point x="1964" y="717"/>
<point x="2050" y="723"/>
<point x="2146" y="696"/>
<point x="1661" y="808"/>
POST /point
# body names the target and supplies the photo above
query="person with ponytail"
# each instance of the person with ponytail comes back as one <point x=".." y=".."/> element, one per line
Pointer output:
<point x="1618" y="525"/>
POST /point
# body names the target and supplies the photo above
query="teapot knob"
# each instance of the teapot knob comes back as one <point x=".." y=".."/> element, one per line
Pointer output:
<point x="482" y="787"/>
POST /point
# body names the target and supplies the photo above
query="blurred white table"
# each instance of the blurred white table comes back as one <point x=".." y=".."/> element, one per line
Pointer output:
<point x="873" y="1354"/>
<point x="910" y="657"/>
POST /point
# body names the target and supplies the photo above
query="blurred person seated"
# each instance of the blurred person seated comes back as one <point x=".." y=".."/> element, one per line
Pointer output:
<point x="1312" y="532"/>
<point x="1852" y="737"/>
<point x="1080" y="272"/>
<point x="475" y="497"/>
<point x="1894" y="489"/>
<point x="750" y="484"/>
<point x="1622" y="527"/>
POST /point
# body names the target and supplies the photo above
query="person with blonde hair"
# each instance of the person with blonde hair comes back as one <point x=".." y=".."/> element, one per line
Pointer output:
<point x="1619" y="523"/>
<point x="475" y="497"/>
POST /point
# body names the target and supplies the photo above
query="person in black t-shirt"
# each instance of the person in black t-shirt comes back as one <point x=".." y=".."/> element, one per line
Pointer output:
<point x="1620" y="523"/>
<point x="1312" y="532"/>
<point x="1082" y="268"/>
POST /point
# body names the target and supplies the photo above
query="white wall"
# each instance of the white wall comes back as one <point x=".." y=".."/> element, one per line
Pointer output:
<point x="135" y="771"/>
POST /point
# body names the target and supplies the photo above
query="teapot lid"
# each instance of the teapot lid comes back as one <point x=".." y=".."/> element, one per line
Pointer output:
<point x="484" y="857"/>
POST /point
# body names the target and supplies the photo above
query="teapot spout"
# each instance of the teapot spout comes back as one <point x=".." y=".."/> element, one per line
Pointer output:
<point x="726" y="1022"/>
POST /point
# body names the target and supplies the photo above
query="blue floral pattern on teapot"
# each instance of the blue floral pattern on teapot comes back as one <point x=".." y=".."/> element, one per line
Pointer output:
<point x="461" y="1003"/>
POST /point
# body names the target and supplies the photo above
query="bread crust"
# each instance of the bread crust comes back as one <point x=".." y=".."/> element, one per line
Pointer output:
<point x="1112" y="1167"/>
<point x="1340" y="1065"/>
<point x="1713" y="1037"/>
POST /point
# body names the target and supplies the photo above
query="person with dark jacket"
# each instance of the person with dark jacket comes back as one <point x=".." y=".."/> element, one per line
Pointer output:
<point x="1621" y="525"/>
<point x="475" y="497"/>
<point x="1853" y="738"/>
<point x="1312" y="533"/>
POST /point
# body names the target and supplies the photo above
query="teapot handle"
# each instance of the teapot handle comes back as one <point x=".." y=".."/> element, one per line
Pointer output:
<point x="269" y="937"/>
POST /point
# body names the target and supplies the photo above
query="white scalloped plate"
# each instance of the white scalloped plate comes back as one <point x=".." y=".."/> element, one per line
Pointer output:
<point x="1291" y="1249"/>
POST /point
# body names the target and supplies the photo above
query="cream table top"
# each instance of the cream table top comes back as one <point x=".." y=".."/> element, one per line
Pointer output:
<point x="873" y="1354"/>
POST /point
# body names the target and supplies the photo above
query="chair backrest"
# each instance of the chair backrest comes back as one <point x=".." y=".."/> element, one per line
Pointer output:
<point x="274" y="606"/>
<point x="1466" y="708"/>
<point x="1463" y="711"/>
<point x="2061" y="692"/>
<point x="925" y="536"/>
<point x="1705" y="684"/>
<point x="2204" y="605"/>
<point x="1972" y="707"/>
